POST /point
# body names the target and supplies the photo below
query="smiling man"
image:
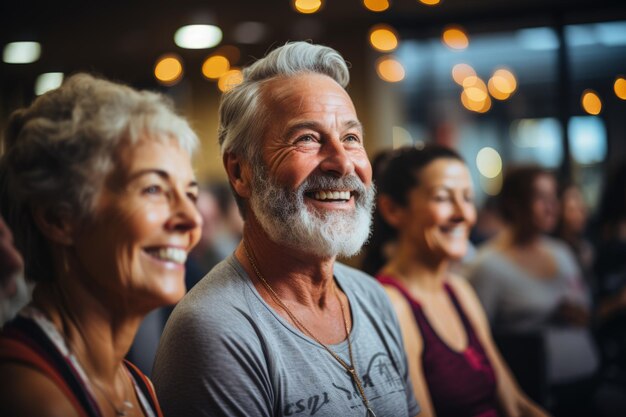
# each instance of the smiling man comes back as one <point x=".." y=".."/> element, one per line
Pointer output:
<point x="280" y="328"/>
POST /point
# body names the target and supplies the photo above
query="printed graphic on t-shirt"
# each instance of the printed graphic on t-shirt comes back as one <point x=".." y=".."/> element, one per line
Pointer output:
<point x="379" y="379"/>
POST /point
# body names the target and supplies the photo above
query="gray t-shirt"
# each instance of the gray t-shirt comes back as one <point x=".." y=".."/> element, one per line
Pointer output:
<point x="516" y="301"/>
<point x="226" y="352"/>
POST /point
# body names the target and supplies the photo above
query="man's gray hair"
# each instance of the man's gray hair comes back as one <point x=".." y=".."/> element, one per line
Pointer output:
<point x="242" y="115"/>
<point x="58" y="151"/>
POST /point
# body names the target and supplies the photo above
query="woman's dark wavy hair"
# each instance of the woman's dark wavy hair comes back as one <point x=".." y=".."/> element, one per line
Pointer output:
<point x="396" y="173"/>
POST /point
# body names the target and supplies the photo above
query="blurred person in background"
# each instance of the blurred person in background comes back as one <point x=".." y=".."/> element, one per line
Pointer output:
<point x="530" y="283"/>
<point x="572" y="226"/>
<point x="222" y="228"/>
<point x="426" y="210"/>
<point x="14" y="292"/>
<point x="98" y="189"/>
<point x="610" y="274"/>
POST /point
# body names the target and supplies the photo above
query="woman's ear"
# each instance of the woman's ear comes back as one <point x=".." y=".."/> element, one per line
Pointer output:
<point x="56" y="227"/>
<point x="390" y="211"/>
<point x="239" y="174"/>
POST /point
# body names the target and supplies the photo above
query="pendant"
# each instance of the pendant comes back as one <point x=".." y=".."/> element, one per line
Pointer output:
<point x="370" y="413"/>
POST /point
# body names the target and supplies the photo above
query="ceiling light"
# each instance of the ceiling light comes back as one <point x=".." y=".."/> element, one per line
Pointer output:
<point x="21" y="52"/>
<point x="198" y="36"/>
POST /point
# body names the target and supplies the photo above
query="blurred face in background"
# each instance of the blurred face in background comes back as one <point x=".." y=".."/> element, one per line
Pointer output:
<point x="573" y="210"/>
<point x="440" y="211"/>
<point x="544" y="207"/>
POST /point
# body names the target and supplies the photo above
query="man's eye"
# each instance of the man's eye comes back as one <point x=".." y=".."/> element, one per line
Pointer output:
<point x="352" y="138"/>
<point x="305" y="138"/>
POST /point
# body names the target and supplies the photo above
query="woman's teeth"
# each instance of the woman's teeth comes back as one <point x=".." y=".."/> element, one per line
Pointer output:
<point x="175" y="255"/>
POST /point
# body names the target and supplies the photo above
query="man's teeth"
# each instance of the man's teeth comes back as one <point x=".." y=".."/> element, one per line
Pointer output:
<point x="176" y="255"/>
<point x="332" y="195"/>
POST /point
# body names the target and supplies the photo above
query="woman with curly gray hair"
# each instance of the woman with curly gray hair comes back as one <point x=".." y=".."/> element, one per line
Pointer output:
<point x="97" y="186"/>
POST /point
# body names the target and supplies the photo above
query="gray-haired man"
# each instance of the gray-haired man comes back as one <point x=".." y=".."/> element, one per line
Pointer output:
<point x="279" y="328"/>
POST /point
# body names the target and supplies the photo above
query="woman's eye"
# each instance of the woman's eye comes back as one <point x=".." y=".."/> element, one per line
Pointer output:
<point x="193" y="197"/>
<point x="152" y="189"/>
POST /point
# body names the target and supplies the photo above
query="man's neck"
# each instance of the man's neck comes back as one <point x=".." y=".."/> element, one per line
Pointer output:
<point x="293" y="274"/>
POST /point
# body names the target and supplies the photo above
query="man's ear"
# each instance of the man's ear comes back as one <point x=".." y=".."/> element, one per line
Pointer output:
<point x="239" y="174"/>
<point x="56" y="227"/>
<point x="390" y="211"/>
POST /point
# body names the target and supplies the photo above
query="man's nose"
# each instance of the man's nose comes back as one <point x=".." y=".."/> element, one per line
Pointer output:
<point x="337" y="160"/>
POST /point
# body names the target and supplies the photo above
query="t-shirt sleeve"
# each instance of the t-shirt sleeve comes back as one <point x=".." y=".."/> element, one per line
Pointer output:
<point x="212" y="366"/>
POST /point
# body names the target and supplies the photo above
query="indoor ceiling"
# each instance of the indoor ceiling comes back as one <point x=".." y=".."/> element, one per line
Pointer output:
<point x="123" y="39"/>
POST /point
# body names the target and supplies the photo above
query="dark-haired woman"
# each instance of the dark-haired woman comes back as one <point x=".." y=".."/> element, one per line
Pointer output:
<point x="424" y="215"/>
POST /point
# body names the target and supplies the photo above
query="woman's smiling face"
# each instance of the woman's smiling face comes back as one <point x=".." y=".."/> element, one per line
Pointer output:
<point x="143" y="224"/>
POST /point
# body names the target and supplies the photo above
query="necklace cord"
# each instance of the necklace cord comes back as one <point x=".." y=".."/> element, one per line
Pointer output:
<point x="350" y="368"/>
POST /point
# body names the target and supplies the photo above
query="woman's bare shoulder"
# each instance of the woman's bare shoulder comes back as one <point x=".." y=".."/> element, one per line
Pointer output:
<point x="27" y="392"/>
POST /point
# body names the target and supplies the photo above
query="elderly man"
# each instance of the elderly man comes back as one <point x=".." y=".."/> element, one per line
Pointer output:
<point x="279" y="328"/>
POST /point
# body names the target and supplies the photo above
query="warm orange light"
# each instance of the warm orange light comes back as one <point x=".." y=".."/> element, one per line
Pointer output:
<point x="168" y="70"/>
<point x="475" y="89"/>
<point x="376" y="5"/>
<point x="430" y="2"/>
<point x="307" y="6"/>
<point x="215" y="66"/>
<point x="455" y="37"/>
<point x="620" y="87"/>
<point x="502" y="84"/>
<point x="230" y="80"/>
<point x="478" y="106"/>
<point x="383" y="38"/>
<point x="390" y="70"/>
<point x="591" y="102"/>
<point x="461" y="71"/>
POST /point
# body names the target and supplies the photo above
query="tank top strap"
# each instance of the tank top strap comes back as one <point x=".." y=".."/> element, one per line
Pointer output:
<point x="393" y="282"/>
<point x="428" y="333"/>
<point x="469" y="329"/>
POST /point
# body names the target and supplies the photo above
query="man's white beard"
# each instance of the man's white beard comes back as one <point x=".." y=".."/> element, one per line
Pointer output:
<point x="287" y="220"/>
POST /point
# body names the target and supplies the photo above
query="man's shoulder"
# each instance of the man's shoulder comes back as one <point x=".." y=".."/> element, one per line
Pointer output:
<point x="215" y="297"/>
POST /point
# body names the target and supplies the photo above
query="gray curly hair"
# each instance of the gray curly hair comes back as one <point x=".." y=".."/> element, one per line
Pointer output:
<point x="59" y="150"/>
<point x="242" y="114"/>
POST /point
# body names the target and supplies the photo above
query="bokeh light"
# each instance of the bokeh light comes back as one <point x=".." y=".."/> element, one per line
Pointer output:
<point x="502" y="84"/>
<point x="474" y="96"/>
<point x="430" y="2"/>
<point x="389" y="69"/>
<point x="383" y="38"/>
<point x="48" y="81"/>
<point x="307" y="6"/>
<point x="168" y="69"/>
<point x="620" y="87"/>
<point x="591" y="102"/>
<point x="376" y="5"/>
<point x="230" y="79"/>
<point x="215" y="66"/>
<point x="461" y="71"/>
<point x="489" y="162"/>
<point x="198" y="36"/>
<point x="21" y="52"/>
<point x="455" y="37"/>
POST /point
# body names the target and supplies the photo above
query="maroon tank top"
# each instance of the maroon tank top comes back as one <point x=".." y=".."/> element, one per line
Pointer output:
<point x="461" y="384"/>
